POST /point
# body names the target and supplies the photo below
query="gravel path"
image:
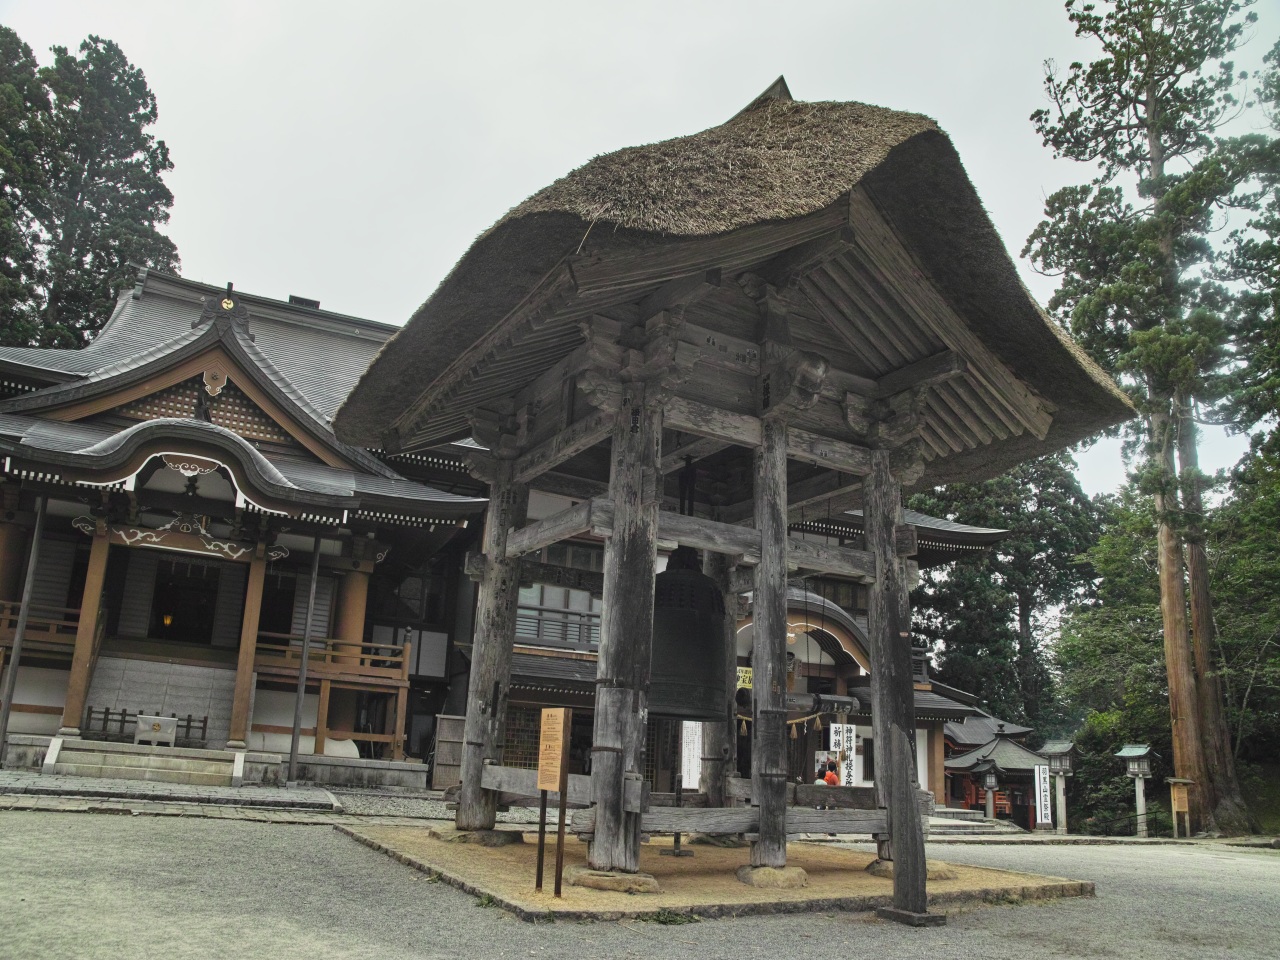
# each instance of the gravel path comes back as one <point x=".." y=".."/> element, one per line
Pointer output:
<point x="86" y="886"/>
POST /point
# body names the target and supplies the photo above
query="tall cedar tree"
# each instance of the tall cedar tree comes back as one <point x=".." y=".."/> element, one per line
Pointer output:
<point x="1132" y="248"/>
<point x="23" y="101"/>
<point x="89" y="196"/>
<point x="989" y="614"/>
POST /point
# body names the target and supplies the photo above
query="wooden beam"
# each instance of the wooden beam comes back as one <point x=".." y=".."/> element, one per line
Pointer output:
<point x="880" y="246"/>
<point x="568" y="485"/>
<point x="730" y="252"/>
<point x="733" y="820"/>
<point x="743" y="429"/>
<point x="704" y="420"/>
<point x="828" y="452"/>
<point x="570" y="522"/>
<point x="694" y="450"/>
<point x="808" y="555"/>
<point x="939" y="368"/>
<point x="710" y="535"/>
<point x="788" y="267"/>
<point x="569" y="442"/>
<point x="678" y="292"/>
<point x="524" y="783"/>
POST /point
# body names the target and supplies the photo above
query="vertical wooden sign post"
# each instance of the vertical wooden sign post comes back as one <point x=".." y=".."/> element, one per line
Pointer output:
<point x="553" y="774"/>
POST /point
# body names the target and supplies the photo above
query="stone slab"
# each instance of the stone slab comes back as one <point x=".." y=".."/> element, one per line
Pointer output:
<point x="910" y="918"/>
<point x="577" y="876"/>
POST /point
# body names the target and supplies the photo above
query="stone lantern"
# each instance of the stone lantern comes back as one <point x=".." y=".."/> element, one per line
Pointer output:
<point x="1137" y="757"/>
<point x="991" y="775"/>
<point x="1061" y="756"/>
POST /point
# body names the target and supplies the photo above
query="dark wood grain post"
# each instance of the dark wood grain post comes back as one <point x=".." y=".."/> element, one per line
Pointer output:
<point x="626" y="629"/>
<point x="719" y="740"/>
<point x="769" y="652"/>
<point x="892" y="689"/>
<point x="495" y="632"/>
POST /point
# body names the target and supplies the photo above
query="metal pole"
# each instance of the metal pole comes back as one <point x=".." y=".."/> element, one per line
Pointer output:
<point x="11" y="676"/>
<point x="302" y="669"/>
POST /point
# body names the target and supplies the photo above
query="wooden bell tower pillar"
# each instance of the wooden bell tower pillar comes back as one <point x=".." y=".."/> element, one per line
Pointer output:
<point x="892" y="689"/>
<point x="626" y="628"/>
<point x="485" y="726"/>
<point x="769" y="654"/>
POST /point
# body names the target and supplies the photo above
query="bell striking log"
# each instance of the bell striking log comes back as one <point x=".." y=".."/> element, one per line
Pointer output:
<point x="689" y="680"/>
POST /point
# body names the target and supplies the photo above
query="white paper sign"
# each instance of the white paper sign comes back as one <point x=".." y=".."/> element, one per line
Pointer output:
<point x="690" y="753"/>
<point x="844" y="739"/>
<point x="1043" y="797"/>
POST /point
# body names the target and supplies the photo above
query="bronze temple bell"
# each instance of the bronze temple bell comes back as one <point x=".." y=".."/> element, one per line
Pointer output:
<point x="689" y="679"/>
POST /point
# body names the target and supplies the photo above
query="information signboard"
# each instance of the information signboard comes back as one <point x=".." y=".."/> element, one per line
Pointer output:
<point x="1044" y="800"/>
<point x="553" y="747"/>
<point x="691" y="754"/>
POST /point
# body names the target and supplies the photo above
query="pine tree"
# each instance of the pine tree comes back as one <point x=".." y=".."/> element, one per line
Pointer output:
<point x="1132" y="248"/>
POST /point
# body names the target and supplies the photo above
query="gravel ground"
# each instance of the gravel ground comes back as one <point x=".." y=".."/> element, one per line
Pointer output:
<point x="90" y="886"/>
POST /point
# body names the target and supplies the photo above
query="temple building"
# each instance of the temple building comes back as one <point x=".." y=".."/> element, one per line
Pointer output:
<point x="185" y="472"/>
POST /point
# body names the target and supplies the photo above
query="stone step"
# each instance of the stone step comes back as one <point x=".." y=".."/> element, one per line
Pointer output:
<point x="70" y="744"/>
<point x="190" y="777"/>
<point x="143" y="762"/>
<point x="956" y="813"/>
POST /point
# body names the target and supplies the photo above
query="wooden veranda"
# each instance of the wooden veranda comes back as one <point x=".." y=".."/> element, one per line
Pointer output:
<point x="767" y="322"/>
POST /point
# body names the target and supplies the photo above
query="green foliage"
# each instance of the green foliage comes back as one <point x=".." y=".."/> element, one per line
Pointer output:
<point x="1245" y="550"/>
<point x="1133" y="259"/>
<point x="83" y="190"/>
<point x="990" y="617"/>
<point x="22" y="100"/>
<point x="1252" y="266"/>
<point x="670" y="918"/>
<point x="1099" y="791"/>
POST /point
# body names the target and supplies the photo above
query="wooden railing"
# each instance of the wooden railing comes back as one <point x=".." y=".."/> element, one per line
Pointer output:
<point x="45" y="625"/>
<point x="329" y="657"/>
<point x="557" y="627"/>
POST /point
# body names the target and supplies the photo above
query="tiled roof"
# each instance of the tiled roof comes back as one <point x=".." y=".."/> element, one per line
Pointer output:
<point x="979" y="728"/>
<point x="1009" y="755"/>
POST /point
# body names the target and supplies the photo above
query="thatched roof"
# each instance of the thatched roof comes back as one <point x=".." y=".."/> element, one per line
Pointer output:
<point x="776" y="161"/>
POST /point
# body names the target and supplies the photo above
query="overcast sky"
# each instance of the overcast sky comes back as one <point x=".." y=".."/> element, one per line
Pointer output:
<point x="350" y="152"/>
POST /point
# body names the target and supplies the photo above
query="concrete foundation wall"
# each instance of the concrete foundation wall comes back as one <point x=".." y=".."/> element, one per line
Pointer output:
<point x="182" y="688"/>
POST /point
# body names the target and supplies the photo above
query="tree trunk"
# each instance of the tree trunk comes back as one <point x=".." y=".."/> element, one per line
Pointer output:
<point x="1188" y="750"/>
<point x="1224" y="806"/>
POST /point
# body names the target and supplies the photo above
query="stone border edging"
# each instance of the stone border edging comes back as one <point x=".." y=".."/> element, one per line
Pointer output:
<point x="712" y="911"/>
